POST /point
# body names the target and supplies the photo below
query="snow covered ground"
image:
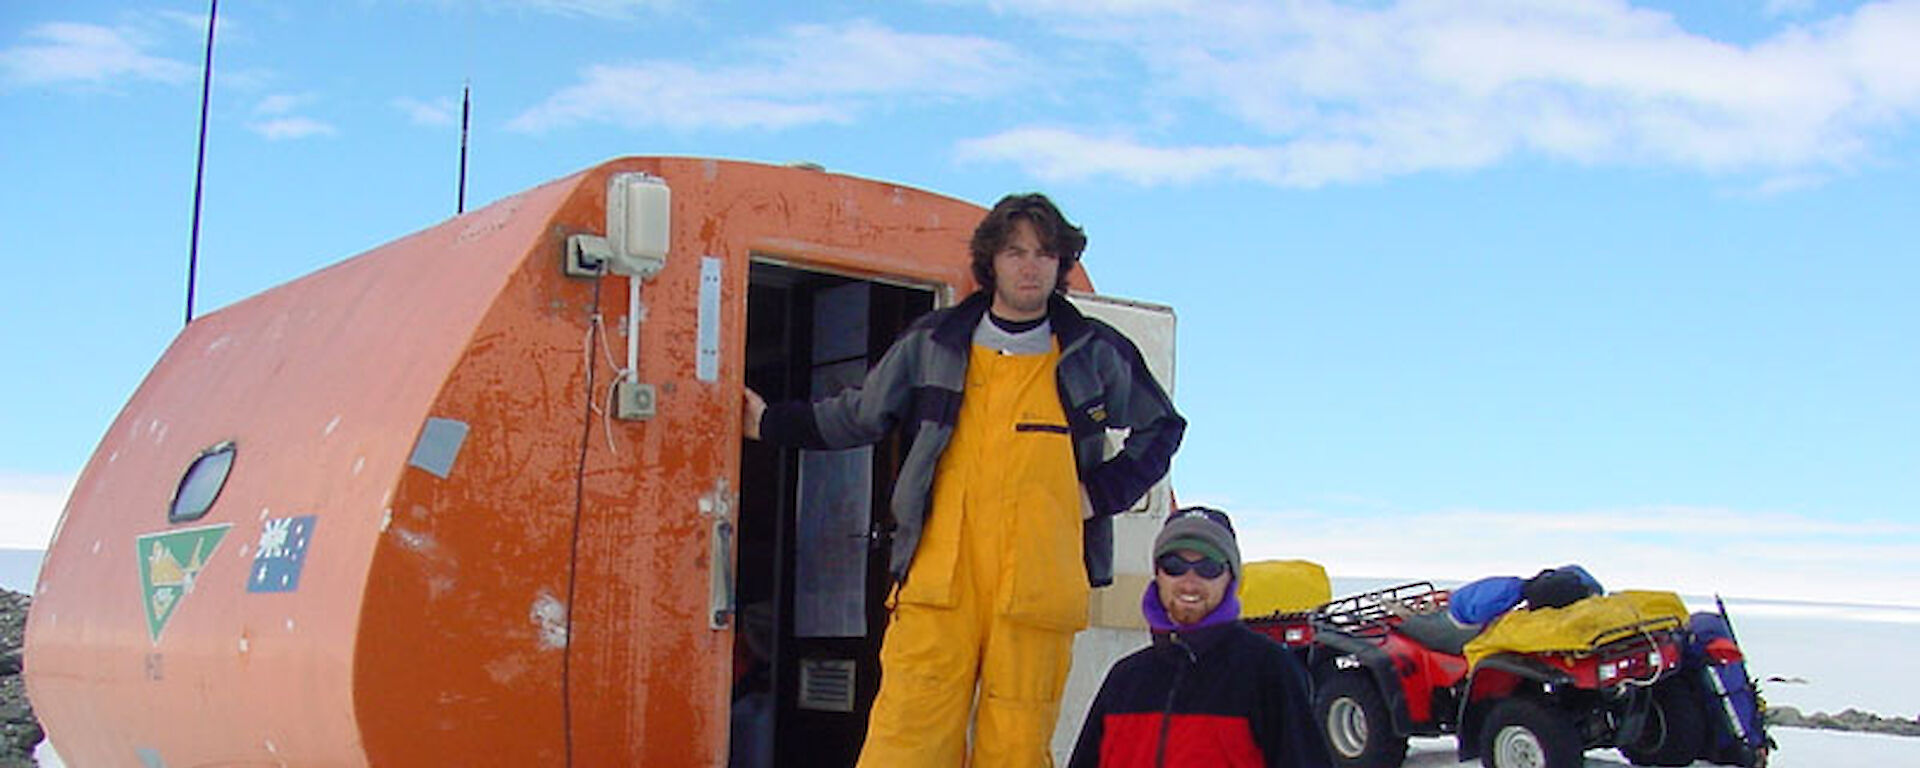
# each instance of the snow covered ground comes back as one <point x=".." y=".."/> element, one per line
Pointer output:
<point x="1831" y="657"/>
<point x="1799" y="748"/>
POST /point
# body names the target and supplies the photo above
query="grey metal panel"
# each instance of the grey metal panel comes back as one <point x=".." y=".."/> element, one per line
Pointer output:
<point x="830" y="574"/>
<point x="707" y="357"/>
<point x="840" y="322"/>
<point x="438" y="446"/>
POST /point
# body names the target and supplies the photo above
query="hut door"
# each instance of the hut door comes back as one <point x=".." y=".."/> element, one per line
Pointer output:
<point x="813" y="536"/>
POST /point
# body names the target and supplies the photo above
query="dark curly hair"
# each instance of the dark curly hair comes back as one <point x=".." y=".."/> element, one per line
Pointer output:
<point x="1057" y="235"/>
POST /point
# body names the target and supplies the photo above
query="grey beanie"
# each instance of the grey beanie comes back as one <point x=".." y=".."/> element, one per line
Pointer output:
<point x="1201" y="529"/>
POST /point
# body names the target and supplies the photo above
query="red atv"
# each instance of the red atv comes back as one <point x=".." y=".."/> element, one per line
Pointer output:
<point x="1390" y="664"/>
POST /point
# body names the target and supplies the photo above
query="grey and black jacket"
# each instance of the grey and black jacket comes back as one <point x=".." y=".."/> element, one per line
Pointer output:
<point x="1104" y="384"/>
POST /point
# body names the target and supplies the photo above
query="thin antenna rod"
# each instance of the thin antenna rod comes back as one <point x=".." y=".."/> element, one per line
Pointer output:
<point x="200" y="165"/>
<point x="466" y="113"/>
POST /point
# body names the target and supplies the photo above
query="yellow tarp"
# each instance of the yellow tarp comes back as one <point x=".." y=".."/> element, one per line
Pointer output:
<point x="1582" y="626"/>
<point x="1282" y="586"/>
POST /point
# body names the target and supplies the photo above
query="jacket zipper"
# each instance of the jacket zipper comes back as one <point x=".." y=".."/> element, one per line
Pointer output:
<point x="1166" y="712"/>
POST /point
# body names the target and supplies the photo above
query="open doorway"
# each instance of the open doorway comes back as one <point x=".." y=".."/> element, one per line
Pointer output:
<point x="814" y="531"/>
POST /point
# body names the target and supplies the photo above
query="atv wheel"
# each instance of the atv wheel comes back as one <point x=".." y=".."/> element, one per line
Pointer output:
<point x="1524" y="733"/>
<point x="1359" y="731"/>
<point x="1674" y="730"/>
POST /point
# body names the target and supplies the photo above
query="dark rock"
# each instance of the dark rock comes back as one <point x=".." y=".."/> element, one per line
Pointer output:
<point x="1848" y="720"/>
<point x="19" y="731"/>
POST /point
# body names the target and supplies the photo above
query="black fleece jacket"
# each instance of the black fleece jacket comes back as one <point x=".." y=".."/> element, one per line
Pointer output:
<point x="1220" y="696"/>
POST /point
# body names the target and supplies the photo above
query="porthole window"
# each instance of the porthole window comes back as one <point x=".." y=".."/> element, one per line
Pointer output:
<point x="201" y="484"/>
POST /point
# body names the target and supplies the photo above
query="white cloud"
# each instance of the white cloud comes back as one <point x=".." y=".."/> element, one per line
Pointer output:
<point x="674" y="96"/>
<point x="1783" y="184"/>
<point x="785" y="82"/>
<point x="437" y="112"/>
<point x="1056" y="154"/>
<point x="276" y="119"/>
<point x="281" y="104"/>
<point x="600" y="9"/>
<point x="1329" y="92"/>
<point x="1683" y="549"/>
<point x="1097" y="7"/>
<point x="285" y="128"/>
<point x="30" y="507"/>
<point x="64" y="52"/>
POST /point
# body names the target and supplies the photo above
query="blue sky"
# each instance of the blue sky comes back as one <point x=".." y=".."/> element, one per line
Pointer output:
<point x="1464" y="288"/>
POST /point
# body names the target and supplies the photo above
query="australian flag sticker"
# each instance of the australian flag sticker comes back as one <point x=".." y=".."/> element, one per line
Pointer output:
<point x="281" y="553"/>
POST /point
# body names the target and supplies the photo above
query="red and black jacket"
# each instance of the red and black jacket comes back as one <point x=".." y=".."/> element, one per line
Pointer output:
<point x="1220" y="696"/>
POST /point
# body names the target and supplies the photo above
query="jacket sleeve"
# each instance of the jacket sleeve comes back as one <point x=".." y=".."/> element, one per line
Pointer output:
<point x="1135" y="402"/>
<point x="855" y="416"/>
<point x="1288" y="735"/>
<point x="1086" y="749"/>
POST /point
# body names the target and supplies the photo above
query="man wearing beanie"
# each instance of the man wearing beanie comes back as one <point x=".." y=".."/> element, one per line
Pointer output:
<point x="1209" y="691"/>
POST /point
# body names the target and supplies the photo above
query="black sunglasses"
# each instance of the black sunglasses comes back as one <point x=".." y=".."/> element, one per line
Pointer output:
<point x="1172" y="564"/>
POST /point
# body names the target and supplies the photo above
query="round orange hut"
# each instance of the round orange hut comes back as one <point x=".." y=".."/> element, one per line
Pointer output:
<point x="476" y="497"/>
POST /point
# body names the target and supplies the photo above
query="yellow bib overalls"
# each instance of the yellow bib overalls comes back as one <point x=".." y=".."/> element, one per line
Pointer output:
<point x="997" y="587"/>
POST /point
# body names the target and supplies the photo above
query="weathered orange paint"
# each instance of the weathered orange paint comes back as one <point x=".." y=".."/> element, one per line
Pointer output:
<point x="546" y="603"/>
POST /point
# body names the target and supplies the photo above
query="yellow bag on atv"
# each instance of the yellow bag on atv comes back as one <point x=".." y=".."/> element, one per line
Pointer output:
<point x="1583" y="626"/>
<point x="1268" y="587"/>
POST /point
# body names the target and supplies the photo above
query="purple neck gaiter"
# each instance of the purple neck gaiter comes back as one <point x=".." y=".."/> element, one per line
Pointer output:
<point x="1226" y="612"/>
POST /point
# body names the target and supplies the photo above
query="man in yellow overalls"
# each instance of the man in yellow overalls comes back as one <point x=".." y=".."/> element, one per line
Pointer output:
<point x="1003" y="504"/>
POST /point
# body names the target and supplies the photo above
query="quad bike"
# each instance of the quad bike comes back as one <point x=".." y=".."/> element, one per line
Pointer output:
<point x="1386" y="664"/>
<point x="1664" y="706"/>
<point x="1535" y="689"/>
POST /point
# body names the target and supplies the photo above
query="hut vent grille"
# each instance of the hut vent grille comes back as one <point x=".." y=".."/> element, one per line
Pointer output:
<point x="826" y="685"/>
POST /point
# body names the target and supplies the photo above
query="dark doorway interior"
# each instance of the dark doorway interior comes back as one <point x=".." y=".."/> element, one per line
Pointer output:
<point x="813" y="535"/>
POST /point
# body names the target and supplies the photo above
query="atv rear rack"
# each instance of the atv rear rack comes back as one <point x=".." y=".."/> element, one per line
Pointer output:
<point x="1644" y="628"/>
<point x="1369" y="611"/>
<point x="1291" y="629"/>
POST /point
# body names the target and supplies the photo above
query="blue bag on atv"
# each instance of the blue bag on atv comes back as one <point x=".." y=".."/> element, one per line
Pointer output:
<point x="1735" y="714"/>
<point x="1478" y="602"/>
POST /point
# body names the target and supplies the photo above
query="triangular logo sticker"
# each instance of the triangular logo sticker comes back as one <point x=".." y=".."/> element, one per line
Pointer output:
<point x="169" y="564"/>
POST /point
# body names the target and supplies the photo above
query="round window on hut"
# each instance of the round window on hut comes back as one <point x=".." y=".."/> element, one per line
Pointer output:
<point x="201" y="483"/>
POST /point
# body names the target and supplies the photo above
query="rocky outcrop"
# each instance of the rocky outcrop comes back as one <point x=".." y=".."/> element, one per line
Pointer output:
<point x="1847" y="720"/>
<point x="19" y="731"/>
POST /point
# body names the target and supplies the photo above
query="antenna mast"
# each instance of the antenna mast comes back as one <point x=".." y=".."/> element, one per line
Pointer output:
<point x="200" y="165"/>
<point x="466" y="112"/>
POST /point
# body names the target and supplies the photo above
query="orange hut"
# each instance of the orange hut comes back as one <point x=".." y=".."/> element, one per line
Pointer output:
<point x="478" y="496"/>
